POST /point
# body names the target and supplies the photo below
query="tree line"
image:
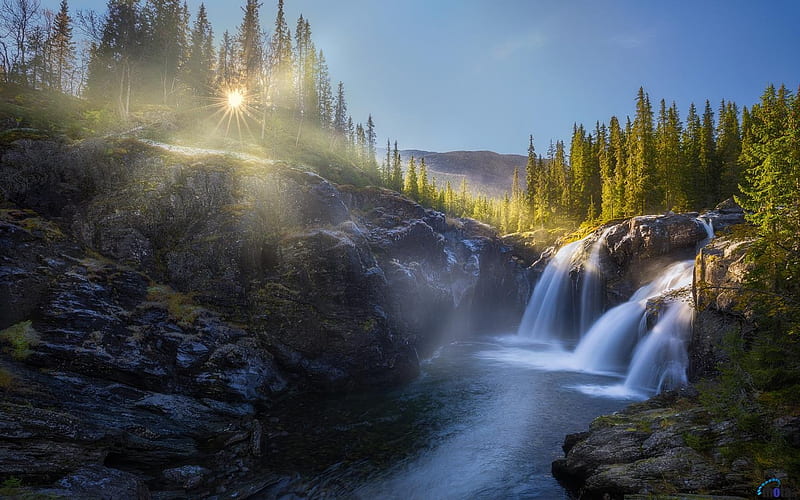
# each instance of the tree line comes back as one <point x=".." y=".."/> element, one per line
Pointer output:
<point x="36" y="46"/>
<point x="652" y="163"/>
<point x="153" y="52"/>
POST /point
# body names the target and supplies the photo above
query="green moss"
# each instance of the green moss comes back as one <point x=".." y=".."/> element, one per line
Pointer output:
<point x="20" y="338"/>
<point x="6" y="379"/>
<point x="180" y="306"/>
<point x="701" y="443"/>
<point x="608" y="421"/>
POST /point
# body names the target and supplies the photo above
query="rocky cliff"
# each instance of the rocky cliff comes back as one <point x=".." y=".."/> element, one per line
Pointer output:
<point x="671" y="443"/>
<point x="156" y="305"/>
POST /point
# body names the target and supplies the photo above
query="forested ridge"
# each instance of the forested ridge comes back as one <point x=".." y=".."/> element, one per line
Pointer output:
<point x="155" y="52"/>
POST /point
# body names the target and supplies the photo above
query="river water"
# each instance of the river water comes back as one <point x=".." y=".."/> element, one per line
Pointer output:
<point x="484" y="420"/>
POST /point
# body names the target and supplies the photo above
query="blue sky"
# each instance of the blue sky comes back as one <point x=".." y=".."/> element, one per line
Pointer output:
<point x="467" y="74"/>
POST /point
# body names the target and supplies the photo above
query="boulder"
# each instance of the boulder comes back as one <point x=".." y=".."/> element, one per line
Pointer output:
<point x="662" y="444"/>
<point x="719" y="271"/>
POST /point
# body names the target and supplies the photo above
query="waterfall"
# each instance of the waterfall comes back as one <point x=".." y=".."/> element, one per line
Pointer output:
<point x="592" y="289"/>
<point x="709" y="228"/>
<point x="618" y="340"/>
<point x="545" y="317"/>
<point x="609" y="343"/>
<point x="660" y="360"/>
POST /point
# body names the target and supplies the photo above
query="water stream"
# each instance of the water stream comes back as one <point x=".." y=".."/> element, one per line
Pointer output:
<point x="488" y="416"/>
<point x="485" y="420"/>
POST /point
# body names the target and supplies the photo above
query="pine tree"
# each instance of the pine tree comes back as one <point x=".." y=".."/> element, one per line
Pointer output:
<point x="387" y="166"/>
<point x="668" y="156"/>
<point x="690" y="148"/>
<point x="200" y="65"/>
<point x="729" y="147"/>
<point x="411" y="184"/>
<point x="530" y="176"/>
<point x="350" y="135"/>
<point x="580" y="166"/>
<point x="226" y="65"/>
<point x="607" y="174"/>
<point x="423" y="185"/>
<point x="397" y="171"/>
<point x="340" y="111"/>
<point x="618" y="164"/>
<point x="560" y="180"/>
<point x="250" y="57"/>
<point x="771" y="186"/>
<point x="371" y="138"/>
<point x="361" y="146"/>
<point x="62" y="48"/>
<point x="324" y="94"/>
<point x="119" y="51"/>
<point x="165" y="47"/>
<point x="641" y="150"/>
<point x="280" y="61"/>
<point x="709" y="172"/>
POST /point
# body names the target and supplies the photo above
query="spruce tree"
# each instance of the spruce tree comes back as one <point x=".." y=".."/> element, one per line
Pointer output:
<point x="618" y="164"/>
<point x="200" y="65"/>
<point x="371" y="138"/>
<point x="226" y="65"/>
<point x="771" y="185"/>
<point x="423" y="185"/>
<point x="112" y="63"/>
<point x="668" y="156"/>
<point x="397" y="171"/>
<point x="530" y="175"/>
<point x="690" y="148"/>
<point x="387" y="167"/>
<point x="250" y="57"/>
<point x="606" y="165"/>
<point x="165" y="47"/>
<point x="62" y="48"/>
<point x="280" y="60"/>
<point x="641" y="154"/>
<point x="340" y="111"/>
<point x="324" y="94"/>
<point x="729" y="147"/>
<point x="709" y="171"/>
<point x="560" y="175"/>
<point x="411" y="184"/>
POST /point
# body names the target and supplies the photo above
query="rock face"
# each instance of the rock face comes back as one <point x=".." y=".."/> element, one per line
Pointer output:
<point x="662" y="445"/>
<point x="119" y="375"/>
<point x="636" y="249"/>
<point x="157" y="306"/>
<point x="670" y="443"/>
<point x="719" y="271"/>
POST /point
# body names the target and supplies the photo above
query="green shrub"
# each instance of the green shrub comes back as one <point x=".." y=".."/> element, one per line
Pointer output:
<point x="20" y="338"/>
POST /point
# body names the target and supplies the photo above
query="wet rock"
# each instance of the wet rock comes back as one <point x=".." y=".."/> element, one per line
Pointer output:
<point x="719" y="271"/>
<point x="662" y="444"/>
<point x="187" y="476"/>
<point x="102" y="483"/>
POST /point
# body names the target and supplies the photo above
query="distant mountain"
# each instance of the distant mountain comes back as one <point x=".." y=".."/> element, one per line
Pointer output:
<point x="487" y="172"/>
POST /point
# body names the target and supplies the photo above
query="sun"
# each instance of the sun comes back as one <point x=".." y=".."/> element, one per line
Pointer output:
<point x="235" y="99"/>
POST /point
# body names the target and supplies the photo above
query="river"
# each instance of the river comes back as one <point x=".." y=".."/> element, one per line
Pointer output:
<point x="484" y="420"/>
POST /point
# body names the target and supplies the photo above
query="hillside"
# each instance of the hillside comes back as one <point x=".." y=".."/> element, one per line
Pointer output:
<point x="486" y="172"/>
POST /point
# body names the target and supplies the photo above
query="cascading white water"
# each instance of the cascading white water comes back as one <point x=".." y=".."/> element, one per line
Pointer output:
<point x="550" y="303"/>
<point x="709" y="228"/>
<point x="591" y="305"/>
<point x="660" y="360"/>
<point x="608" y="345"/>
<point x="618" y="340"/>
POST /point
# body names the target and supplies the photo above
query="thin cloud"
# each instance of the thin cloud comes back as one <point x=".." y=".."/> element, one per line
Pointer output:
<point x="521" y="44"/>
<point x="629" y="41"/>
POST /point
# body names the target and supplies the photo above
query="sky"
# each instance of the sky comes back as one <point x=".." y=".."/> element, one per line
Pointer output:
<point x="444" y="75"/>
